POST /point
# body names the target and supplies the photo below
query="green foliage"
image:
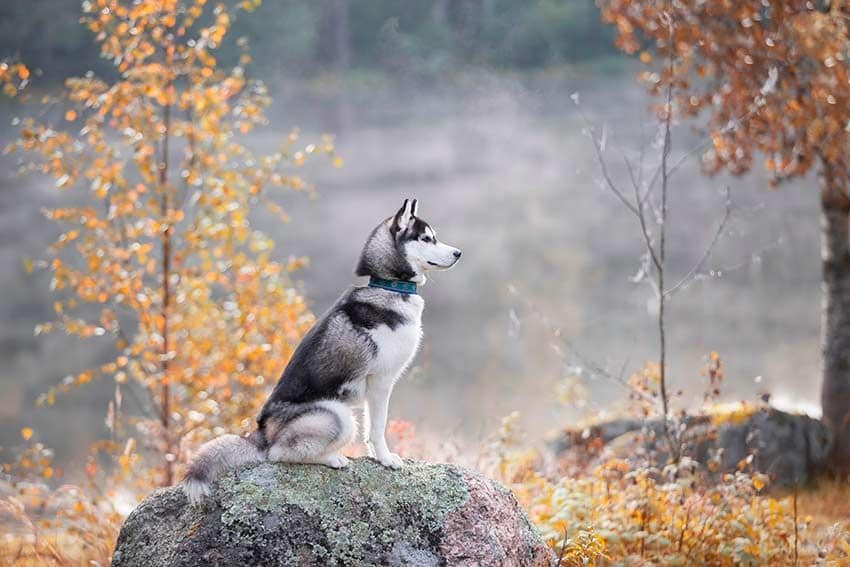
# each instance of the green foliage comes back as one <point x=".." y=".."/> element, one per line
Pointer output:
<point x="288" y="35"/>
<point x="533" y="34"/>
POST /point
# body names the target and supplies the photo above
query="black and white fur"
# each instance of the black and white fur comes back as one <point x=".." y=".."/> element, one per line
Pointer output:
<point x="352" y="357"/>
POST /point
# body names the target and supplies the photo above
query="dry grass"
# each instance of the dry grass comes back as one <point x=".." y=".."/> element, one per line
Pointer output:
<point x="614" y="514"/>
<point x="826" y="503"/>
<point x="55" y="549"/>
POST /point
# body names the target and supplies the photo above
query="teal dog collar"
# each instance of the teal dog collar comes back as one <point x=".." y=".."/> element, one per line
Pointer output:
<point x="398" y="286"/>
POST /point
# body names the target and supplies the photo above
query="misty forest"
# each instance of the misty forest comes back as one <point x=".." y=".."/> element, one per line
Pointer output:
<point x="642" y="358"/>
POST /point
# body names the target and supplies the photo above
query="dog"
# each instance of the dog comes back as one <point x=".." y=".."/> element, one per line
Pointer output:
<point x="352" y="357"/>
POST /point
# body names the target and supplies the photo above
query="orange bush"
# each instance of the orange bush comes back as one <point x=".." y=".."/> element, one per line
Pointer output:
<point x="157" y="253"/>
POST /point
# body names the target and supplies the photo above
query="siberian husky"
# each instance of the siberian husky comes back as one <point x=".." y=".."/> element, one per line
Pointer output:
<point x="351" y="357"/>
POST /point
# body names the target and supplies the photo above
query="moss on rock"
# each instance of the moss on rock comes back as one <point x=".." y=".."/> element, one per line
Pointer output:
<point x="275" y="514"/>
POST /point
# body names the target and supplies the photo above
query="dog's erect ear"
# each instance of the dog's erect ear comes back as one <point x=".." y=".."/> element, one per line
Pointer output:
<point x="404" y="214"/>
<point x="414" y="208"/>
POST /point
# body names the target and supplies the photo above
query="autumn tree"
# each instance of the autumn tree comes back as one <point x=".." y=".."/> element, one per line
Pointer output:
<point x="772" y="77"/>
<point x="158" y="254"/>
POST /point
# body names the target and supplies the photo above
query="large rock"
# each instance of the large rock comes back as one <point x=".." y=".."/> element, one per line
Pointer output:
<point x="791" y="448"/>
<point x="302" y="515"/>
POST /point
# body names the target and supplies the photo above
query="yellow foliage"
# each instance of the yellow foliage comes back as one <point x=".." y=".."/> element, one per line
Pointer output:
<point x="727" y="59"/>
<point x="622" y="514"/>
<point x="734" y="412"/>
<point x="162" y="262"/>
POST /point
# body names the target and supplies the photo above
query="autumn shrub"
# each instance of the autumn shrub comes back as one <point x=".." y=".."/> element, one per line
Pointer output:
<point x="642" y="506"/>
<point x="157" y="256"/>
<point x="619" y="512"/>
<point x="45" y="522"/>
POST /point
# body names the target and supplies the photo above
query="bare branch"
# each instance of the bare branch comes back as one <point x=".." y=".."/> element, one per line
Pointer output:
<point x="593" y="368"/>
<point x="647" y="238"/>
<point x="697" y="267"/>
<point x="697" y="148"/>
<point x="671" y="436"/>
<point x="636" y="209"/>
<point x="641" y="155"/>
<point x="606" y="175"/>
<point x="635" y="181"/>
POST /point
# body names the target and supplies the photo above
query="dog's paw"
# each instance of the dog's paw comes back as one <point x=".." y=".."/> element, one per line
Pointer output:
<point x="336" y="461"/>
<point x="391" y="460"/>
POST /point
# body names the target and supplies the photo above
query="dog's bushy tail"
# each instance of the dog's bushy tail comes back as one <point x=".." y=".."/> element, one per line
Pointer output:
<point x="216" y="456"/>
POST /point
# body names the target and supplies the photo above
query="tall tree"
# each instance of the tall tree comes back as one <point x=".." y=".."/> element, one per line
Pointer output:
<point x="158" y="253"/>
<point x="772" y="75"/>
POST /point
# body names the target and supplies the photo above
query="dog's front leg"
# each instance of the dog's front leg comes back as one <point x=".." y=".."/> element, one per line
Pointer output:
<point x="378" y="400"/>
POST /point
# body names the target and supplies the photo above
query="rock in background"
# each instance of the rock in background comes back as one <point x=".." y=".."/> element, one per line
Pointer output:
<point x="304" y="515"/>
<point x="791" y="448"/>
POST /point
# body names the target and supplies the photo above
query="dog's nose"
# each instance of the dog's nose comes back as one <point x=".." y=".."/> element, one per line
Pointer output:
<point x="457" y="253"/>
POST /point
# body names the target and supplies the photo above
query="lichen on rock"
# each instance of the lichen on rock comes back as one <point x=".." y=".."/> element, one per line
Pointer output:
<point x="276" y="514"/>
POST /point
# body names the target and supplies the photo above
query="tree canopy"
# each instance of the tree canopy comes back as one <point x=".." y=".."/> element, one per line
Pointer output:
<point x="772" y="76"/>
<point x="160" y="255"/>
<point x="729" y="55"/>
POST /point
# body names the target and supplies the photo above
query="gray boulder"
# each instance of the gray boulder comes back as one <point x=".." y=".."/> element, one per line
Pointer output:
<point x="791" y="448"/>
<point x="303" y="515"/>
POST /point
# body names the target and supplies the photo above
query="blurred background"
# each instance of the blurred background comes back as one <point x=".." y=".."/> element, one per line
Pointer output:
<point x="469" y="106"/>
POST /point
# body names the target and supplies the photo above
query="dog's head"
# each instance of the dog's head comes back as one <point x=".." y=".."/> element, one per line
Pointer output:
<point x="417" y="241"/>
<point x="404" y="247"/>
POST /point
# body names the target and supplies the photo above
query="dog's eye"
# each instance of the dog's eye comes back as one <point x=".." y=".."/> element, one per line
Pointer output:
<point x="427" y="239"/>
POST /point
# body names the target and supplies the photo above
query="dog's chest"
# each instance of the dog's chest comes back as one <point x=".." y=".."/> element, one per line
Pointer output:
<point x="397" y="346"/>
